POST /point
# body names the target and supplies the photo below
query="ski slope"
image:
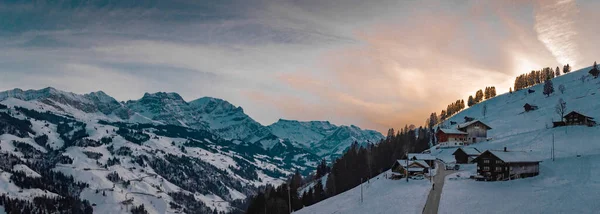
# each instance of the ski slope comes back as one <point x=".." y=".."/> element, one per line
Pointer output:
<point x="380" y="195"/>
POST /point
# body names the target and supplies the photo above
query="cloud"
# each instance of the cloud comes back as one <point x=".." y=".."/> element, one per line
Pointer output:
<point x="555" y="25"/>
<point x="374" y="64"/>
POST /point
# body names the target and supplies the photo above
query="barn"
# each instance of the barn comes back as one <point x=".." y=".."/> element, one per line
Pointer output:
<point x="528" y="107"/>
<point x="576" y="118"/>
<point x="465" y="155"/>
<point x="476" y="131"/>
<point x="493" y="165"/>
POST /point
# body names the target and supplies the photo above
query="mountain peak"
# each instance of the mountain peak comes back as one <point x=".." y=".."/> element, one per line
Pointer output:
<point x="161" y="97"/>
<point x="209" y="104"/>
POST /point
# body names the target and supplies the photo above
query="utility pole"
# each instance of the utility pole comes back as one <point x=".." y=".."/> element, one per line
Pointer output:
<point x="406" y="167"/>
<point x="552" y="146"/>
<point x="361" y="190"/>
<point x="289" y="199"/>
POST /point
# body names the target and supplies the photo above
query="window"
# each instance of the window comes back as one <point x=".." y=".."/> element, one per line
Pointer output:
<point x="486" y="161"/>
<point x="498" y="162"/>
<point x="498" y="169"/>
<point x="486" y="168"/>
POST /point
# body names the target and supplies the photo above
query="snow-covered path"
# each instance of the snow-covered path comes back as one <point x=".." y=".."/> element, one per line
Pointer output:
<point x="433" y="200"/>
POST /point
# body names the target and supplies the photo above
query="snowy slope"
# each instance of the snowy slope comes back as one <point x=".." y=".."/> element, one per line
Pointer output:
<point x="380" y="195"/>
<point x="564" y="186"/>
<point x="165" y="168"/>
<point x="567" y="185"/>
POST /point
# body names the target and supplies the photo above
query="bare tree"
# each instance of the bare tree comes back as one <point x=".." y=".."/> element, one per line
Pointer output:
<point x="561" y="88"/>
<point x="561" y="107"/>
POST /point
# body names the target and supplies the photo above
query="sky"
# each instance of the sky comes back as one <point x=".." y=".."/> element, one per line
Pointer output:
<point x="376" y="64"/>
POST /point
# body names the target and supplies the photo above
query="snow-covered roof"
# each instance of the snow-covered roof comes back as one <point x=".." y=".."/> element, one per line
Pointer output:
<point x="469" y="151"/>
<point x="514" y="156"/>
<point x="414" y="169"/>
<point x="421" y="162"/>
<point x="574" y="112"/>
<point x="464" y="125"/>
<point x="419" y="156"/>
<point x="453" y="131"/>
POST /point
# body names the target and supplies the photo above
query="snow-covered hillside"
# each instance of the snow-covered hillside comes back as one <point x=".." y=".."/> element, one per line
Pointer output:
<point x="380" y="195"/>
<point x="566" y="185"/>
<point x="166" y="168"/>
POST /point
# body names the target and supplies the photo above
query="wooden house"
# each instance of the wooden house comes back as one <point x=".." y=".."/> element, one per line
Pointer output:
<point x="447" y="135"/>
<point x="528" y="107"/>
<point x="476" y="131"/>
<point x="576" y="118"/>
<point x="426" y="158"/>
<point x="465" y="155"/>
<point x="400" y="168"/>
<point x="495" y="165"/>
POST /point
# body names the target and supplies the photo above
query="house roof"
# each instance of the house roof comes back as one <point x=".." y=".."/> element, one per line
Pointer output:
<point x="453" y="131"/>
<point x="577" y="113"/>
<point x="470" y="151"/>
<point x="513" y="156"/>
<point x="419" y="156"/>
<point x="467" y="124"/>
<point x="420" y="162"/>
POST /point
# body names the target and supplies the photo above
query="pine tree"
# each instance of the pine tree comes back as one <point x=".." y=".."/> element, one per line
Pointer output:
<point x="594" y="72"/>
<point x="548" y="88"/>
<point x="470" y="101"/>
<point x="557" y="71"/>
<point x="510" y="90"/>
<point x="478" y="96"/>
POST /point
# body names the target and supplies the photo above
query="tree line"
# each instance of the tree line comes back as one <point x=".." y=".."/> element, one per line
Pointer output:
<point x="536" y="77"/>
<point x="356" y="165"/>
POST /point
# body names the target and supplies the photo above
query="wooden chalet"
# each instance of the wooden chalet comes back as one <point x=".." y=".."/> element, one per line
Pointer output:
<point x="528" y="107"/>
<point x="576" y="118"/>
<point x="427" y="158"/>
<point x="493" y="165"/>
<point x="400" y="168"/>
<point x="465" y="155"/>
<point x="476" y="131"/>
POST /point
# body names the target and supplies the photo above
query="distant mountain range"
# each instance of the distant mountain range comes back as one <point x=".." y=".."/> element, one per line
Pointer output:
<point x="207" y="113"/>
<point x="185" y="154"/>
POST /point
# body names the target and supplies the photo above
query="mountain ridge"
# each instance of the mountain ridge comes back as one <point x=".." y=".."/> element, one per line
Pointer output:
<point x="205" y="113"/>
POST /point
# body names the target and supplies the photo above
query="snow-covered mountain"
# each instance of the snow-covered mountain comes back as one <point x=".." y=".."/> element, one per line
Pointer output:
<point x="207" y="113"/>
<point x="159" y="151"/>
<point x="322" y="137"/>
<point x="166" y="168"/>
